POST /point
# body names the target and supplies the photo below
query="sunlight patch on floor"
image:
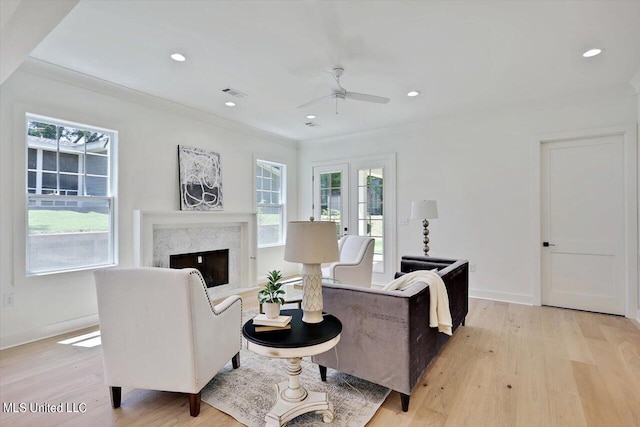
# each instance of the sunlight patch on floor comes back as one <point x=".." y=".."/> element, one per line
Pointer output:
<point x="92" y="339"/>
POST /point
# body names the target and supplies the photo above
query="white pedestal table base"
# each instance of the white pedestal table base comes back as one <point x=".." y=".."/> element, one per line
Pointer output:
<point x="293" y="400"/>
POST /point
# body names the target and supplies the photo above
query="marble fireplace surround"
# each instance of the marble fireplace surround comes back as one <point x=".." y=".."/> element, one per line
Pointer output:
<point x="190" y="225"/>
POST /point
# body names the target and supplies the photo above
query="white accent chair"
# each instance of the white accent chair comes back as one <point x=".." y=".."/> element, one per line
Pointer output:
<point x="355" y="266"/>
<point x="160" y="331"/>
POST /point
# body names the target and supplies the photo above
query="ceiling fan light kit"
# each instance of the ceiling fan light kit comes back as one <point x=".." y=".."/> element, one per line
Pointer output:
<point x="342" y="93"/>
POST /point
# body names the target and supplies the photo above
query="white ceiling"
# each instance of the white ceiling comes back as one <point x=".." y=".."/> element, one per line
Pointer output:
<point x="462" y="56"/>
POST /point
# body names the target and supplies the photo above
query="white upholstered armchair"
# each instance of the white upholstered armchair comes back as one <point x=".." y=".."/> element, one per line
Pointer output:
<point x="160" y="331"/>
<point x="356" y="261"/>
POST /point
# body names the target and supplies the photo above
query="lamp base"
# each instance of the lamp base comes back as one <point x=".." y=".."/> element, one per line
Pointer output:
<point x="425" y="239"/>
<point x="311" y="293"/>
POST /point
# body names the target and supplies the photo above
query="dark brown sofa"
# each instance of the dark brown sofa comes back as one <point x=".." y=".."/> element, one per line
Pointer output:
<point x="386" y="338"/>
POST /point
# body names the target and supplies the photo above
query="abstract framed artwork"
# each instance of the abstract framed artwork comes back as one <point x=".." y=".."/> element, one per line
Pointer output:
<point x="200" y="179"/>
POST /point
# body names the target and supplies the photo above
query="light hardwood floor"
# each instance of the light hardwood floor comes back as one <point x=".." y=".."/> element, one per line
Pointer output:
<point x="512" y="365"/>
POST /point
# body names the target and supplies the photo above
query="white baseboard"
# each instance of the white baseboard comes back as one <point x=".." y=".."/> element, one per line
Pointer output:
<point x="47" y="331"/>
<point x="501" y="296"/>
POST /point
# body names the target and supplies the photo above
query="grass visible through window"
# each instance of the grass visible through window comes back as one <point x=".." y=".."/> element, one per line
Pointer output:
<point x="63" y="221"/>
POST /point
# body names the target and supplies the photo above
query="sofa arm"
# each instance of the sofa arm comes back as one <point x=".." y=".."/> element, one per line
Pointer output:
<point x="375" y="339"/>
<point x="456" y="279"/>
<point x="455" y="275"/>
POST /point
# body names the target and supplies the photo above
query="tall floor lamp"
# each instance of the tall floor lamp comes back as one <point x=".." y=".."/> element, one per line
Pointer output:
<point x="311" y="243"/>
<point x="424" y="210"/>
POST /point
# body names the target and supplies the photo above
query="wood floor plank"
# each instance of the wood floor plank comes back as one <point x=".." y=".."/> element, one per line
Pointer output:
<point x="625" y="394"/>
<point x="512" y="365"/>
<point x="575" y="342"/>
<point x="597" y="403"/>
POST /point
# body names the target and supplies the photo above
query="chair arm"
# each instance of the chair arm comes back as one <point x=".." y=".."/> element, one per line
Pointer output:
<point x="224" y="305"/>
<point x="216" y="331"/>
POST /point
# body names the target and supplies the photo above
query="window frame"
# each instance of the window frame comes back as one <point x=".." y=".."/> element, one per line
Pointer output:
<point x="282" y="204"/>
<point x="111" y="192"/>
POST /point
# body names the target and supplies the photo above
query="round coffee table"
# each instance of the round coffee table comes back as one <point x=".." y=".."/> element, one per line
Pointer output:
<point x="303" y="339"/>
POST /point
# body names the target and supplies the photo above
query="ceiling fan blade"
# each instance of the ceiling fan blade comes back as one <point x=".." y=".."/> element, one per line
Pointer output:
<point x="333" y="95"/>
<point x="367" y="98"/>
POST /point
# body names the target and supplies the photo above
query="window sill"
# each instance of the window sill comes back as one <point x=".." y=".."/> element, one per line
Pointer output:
<point x="72" y="270"/>
<point x="274" y="245"/>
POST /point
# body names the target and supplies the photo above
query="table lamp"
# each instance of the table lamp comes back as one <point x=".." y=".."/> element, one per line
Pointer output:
<point x="424" y="210"/>
<point x="311" y="243"/>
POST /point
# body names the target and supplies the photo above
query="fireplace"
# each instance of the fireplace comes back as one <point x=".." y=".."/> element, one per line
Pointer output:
<point x="160" y="234"/>
<point x="213" y="265"/>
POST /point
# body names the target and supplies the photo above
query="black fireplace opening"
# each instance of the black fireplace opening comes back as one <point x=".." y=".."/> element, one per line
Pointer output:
<point x="213" y="265"/>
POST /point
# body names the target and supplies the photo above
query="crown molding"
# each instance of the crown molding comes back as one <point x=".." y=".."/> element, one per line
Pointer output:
<point x="84" y="81"/>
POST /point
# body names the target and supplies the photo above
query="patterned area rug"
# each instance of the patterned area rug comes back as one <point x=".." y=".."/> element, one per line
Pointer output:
<point x="248" y="393"/>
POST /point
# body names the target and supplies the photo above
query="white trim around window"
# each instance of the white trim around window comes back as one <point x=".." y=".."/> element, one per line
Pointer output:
<point x="70" y="217"/>
<point x="270" y="197"/>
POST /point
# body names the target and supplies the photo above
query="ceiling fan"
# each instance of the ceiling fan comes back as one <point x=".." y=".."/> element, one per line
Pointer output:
<point x="342" y="93"/>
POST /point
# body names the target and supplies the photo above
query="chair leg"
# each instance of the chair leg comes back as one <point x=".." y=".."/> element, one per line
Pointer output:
<point x="323" y="373"/>
<point x="463" y="320"/>
<point x="194" y="404"/>
<point x="235" y="361"/>
<point x="404" y="398"/>
<point x="116" y="396"/>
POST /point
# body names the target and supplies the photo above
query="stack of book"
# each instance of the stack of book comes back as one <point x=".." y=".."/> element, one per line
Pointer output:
<point x="263" y="324"/>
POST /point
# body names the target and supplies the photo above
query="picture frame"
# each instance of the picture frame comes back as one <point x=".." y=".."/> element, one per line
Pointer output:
<point x="200" y="179"/>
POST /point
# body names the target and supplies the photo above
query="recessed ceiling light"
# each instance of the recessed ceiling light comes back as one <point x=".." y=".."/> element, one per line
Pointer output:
<point x="592" y="52"/>
<point x="178" y="57"/>
<point x="413" y="93"/>
<point x="230" y="104"/>
<point x="311" y="116"/>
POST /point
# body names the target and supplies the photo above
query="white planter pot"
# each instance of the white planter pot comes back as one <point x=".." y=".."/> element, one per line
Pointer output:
<point x="271" y="309"/>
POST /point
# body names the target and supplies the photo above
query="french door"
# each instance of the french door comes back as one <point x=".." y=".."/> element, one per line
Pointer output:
<point x="331" y="194"/>
<point x="360" y="197"/>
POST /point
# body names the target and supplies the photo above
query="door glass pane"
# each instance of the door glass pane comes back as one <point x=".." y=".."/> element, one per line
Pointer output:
<point x="324" y="180"/>
<point x="331" y="198"/>
<point x="336" y="179"/>
<point x="370" y="211"/>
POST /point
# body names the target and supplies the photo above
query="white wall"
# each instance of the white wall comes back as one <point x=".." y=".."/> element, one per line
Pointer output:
<point x="149" y="132"/>
<point x="478" y="167"/>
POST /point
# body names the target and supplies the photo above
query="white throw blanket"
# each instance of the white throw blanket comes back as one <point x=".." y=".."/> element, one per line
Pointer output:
<point x="439" y="314"/>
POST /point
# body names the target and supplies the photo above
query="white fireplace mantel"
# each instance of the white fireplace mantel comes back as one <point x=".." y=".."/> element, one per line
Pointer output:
<point x="145" y="222"/>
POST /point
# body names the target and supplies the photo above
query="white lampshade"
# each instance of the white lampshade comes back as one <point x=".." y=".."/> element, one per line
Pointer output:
<point x="424" y="209"/>
<point x="311" y="242"/>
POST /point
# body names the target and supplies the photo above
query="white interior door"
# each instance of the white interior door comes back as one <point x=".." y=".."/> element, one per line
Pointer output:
<point x="331" y="195"/>
<point x="583" y="224"/>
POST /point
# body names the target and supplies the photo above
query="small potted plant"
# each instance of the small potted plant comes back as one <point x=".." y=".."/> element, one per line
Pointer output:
<point x="270" y="297"/>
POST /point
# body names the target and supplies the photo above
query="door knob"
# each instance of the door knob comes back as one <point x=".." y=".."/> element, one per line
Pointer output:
<point x="547" y="244"/>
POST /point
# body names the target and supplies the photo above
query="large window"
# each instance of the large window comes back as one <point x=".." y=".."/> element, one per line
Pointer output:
<point x="270" y="202"/>
<point x="70" y="196"/>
